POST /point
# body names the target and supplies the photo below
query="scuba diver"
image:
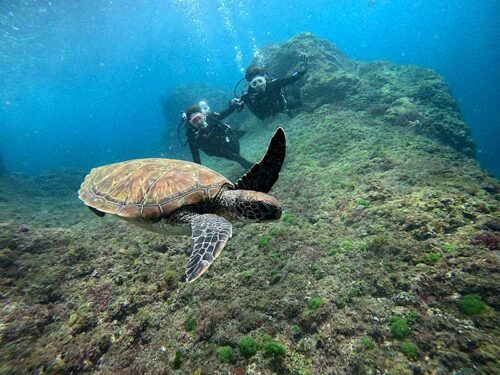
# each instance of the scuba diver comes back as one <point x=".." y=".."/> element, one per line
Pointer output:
<point x="266" y="95"/>
<point x="205" y="131"/>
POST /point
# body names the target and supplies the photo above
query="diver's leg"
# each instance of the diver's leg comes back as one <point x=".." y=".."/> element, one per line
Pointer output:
<point x="293" y="103"/>
<point x="239" y="159"/>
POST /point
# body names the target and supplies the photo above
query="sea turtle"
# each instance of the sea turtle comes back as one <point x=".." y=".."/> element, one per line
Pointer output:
<point x="178" y="197"/>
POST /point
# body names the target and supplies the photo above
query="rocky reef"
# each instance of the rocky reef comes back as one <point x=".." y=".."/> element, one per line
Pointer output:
<point x="385" y="260"/>
<point x="405" y="96"/>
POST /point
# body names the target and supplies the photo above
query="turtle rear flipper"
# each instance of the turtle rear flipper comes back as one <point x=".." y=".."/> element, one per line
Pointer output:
<point x="96" y="211"/>
<point x="262" y="176"/>
<point x="210" y="234"/>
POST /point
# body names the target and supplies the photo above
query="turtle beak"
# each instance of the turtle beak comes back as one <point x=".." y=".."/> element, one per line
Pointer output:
<point x="271" y="213"/>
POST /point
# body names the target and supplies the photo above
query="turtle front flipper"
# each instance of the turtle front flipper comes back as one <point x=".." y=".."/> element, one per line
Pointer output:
<point x="210" y="234"/>
<point x="262" y="176"/>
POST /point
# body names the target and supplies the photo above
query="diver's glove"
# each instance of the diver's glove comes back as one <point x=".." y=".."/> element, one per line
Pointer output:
<point x="302" y="65"/>
<point x="236" y="104"/>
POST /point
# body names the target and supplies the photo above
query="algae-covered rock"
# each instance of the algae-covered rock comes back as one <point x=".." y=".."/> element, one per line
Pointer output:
<point x="322" y="56"/>
<point x="322" y="88"/>
<point x="385" y="261"/>
<point x="408" y="96"/>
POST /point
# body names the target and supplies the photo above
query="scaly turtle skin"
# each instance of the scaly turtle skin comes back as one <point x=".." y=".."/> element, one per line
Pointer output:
<point x="179" y="197"/>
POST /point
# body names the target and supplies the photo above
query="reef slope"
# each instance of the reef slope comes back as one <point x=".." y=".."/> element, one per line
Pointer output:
<point x="384" y="262"/>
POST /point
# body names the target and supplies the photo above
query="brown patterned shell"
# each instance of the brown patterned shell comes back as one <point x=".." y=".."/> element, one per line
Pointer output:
<point x="149" y="188"/>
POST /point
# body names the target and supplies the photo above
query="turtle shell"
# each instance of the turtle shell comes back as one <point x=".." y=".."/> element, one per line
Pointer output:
<point x="149" y="188"/>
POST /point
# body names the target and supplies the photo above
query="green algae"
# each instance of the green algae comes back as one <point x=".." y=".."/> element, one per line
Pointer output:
<point x="433" y="257"/>
<point x="399" y="328"/>
<point x="368" y="343"/>
<point x="274" y="350"/>
<point x="190" y="323"/>
<point x="471" y="305"/>
<point x="264" y="240"/>
<point x="289" y="218"/>
<point x="169" y="276"/>
<point x="177" y="359"/>
<point x="410" y="349"/>
<point x="248" y="347"/>
<point x="412" y="316"/>
<point x="449" y="247"/>
<point x="315" y="303"/>
<point x="225" y="354"/>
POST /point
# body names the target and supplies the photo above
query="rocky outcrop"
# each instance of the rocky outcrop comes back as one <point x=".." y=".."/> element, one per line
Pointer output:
<point x="411" y="97"/>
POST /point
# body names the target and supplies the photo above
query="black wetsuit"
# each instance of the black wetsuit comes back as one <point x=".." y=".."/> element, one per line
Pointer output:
<point x="272" y="100"/>
<point x="216" y="139"/>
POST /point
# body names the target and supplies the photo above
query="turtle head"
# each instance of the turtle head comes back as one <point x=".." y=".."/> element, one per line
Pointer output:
<point x="248" y="205"/>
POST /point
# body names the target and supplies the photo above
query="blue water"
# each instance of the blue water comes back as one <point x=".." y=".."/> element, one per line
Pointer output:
<point x="81" y="81"/>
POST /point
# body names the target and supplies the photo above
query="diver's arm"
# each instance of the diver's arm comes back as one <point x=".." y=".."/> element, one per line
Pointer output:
<point x="235" y="104"/>
<point x="282" y="82"/>
<point x="244" y="99"/>
<point x="223" y="114"/>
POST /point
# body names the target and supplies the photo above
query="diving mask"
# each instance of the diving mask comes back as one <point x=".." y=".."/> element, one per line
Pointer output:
<point x="197" y="119"/>
<point x="258" y="83"/>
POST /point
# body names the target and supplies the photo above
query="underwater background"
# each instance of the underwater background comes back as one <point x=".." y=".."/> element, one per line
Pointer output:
<point x="81" y="82"/>
<point x="385" y="259"/>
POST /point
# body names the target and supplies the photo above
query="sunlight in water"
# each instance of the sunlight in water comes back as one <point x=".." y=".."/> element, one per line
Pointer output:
<point x="229" y="26"/>
<point x="232" y="13"/>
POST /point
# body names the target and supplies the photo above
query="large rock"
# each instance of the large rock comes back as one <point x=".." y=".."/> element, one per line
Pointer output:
<point x="405" y="96"/>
